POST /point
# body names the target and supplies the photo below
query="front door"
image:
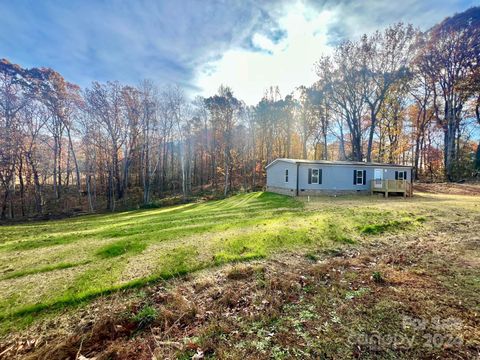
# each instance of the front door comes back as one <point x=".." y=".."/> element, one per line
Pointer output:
<point x="378" y="176"/>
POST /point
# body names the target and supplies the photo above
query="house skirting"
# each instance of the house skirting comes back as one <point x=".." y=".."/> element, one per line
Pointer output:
<point x="315" y="192"/>
<point x="282" y="191"/>
<point x="319" y="192"/>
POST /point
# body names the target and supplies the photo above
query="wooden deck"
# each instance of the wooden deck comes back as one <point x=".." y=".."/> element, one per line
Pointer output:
<point x="391" y="186"/>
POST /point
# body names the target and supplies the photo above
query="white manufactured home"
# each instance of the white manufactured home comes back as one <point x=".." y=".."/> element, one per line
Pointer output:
<point x="314" y="177"/>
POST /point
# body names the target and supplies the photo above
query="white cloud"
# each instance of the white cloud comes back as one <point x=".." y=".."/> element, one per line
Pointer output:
<point x="263" y="42"/>
<point x="198" y="45"/>
<point x="288" y="63"/>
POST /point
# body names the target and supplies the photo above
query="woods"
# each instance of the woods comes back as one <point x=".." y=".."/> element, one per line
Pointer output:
<point x="398" y="95"/>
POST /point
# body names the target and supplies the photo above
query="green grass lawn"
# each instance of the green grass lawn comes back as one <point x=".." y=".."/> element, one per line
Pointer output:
<point x="47" y="265"/>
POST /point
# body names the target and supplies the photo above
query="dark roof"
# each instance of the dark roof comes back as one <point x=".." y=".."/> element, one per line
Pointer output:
<point x="328" y="162"/>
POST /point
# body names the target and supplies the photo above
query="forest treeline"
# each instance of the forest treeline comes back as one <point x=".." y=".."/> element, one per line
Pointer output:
<point x="397" y="96"/>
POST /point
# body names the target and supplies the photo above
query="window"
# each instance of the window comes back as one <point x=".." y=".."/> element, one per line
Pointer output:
<point x="286" y="175"/>
<point x="359" y="177"/>
<point x="400" y="175"/>
<point x="315" y="176"/>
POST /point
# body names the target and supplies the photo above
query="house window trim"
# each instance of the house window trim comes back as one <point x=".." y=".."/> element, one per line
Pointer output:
<point x="357" y="183"/>
<point x="286" y="176"/>
<point x="402" y="173"/>
<point x="319" y="176"/>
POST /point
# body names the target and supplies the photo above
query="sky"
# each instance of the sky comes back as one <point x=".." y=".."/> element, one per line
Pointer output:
<point x="198" y="44"/>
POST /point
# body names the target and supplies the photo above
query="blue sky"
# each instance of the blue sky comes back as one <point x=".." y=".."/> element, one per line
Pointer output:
<point x="248" y="45"/>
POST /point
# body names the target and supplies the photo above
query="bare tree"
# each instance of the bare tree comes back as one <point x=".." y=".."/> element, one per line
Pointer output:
<point x="105" y="103"/>
<point x="446" y="57"/>
<point x="224" y="108"/>
<point x="386" y="57"/>
<point x="342" y="75"/>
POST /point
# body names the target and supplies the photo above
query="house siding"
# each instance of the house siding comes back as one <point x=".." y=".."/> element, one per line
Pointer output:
<point x="335" y="178"/>
<point x="276" y="178"/>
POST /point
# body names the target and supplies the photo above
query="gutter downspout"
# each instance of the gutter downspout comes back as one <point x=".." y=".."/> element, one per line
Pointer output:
<point x="296" y="192"/>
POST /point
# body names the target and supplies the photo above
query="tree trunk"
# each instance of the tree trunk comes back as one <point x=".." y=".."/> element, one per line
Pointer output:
<point x="373" y="116"/>
<point x="89" y="192"/>
<point x="357" y="147"/>
<point x="227" y="165"/>
<point x="416" y="156"/>
<point x="182" y="165"/>
<point x="59" y="165"/>
<point x="450" y="146"/>
<point x="36" y="182"/>
<point x="55" y="157"/>
<point x="75" y="162"/>
<point x="116" y="174"/>
<point x="3" y="214"/>
<point x="304" y="148"/>
<point x="325" y="146"/>
<point x="22" y="186"/>
<point x="145" y="169"/>
<point x="341" y="150"/>
<point x="477" y="157"/>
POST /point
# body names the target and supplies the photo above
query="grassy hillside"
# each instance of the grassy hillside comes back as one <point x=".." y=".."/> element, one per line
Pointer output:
<point x="347" y="277"/>
<point x="56" y="263"/>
